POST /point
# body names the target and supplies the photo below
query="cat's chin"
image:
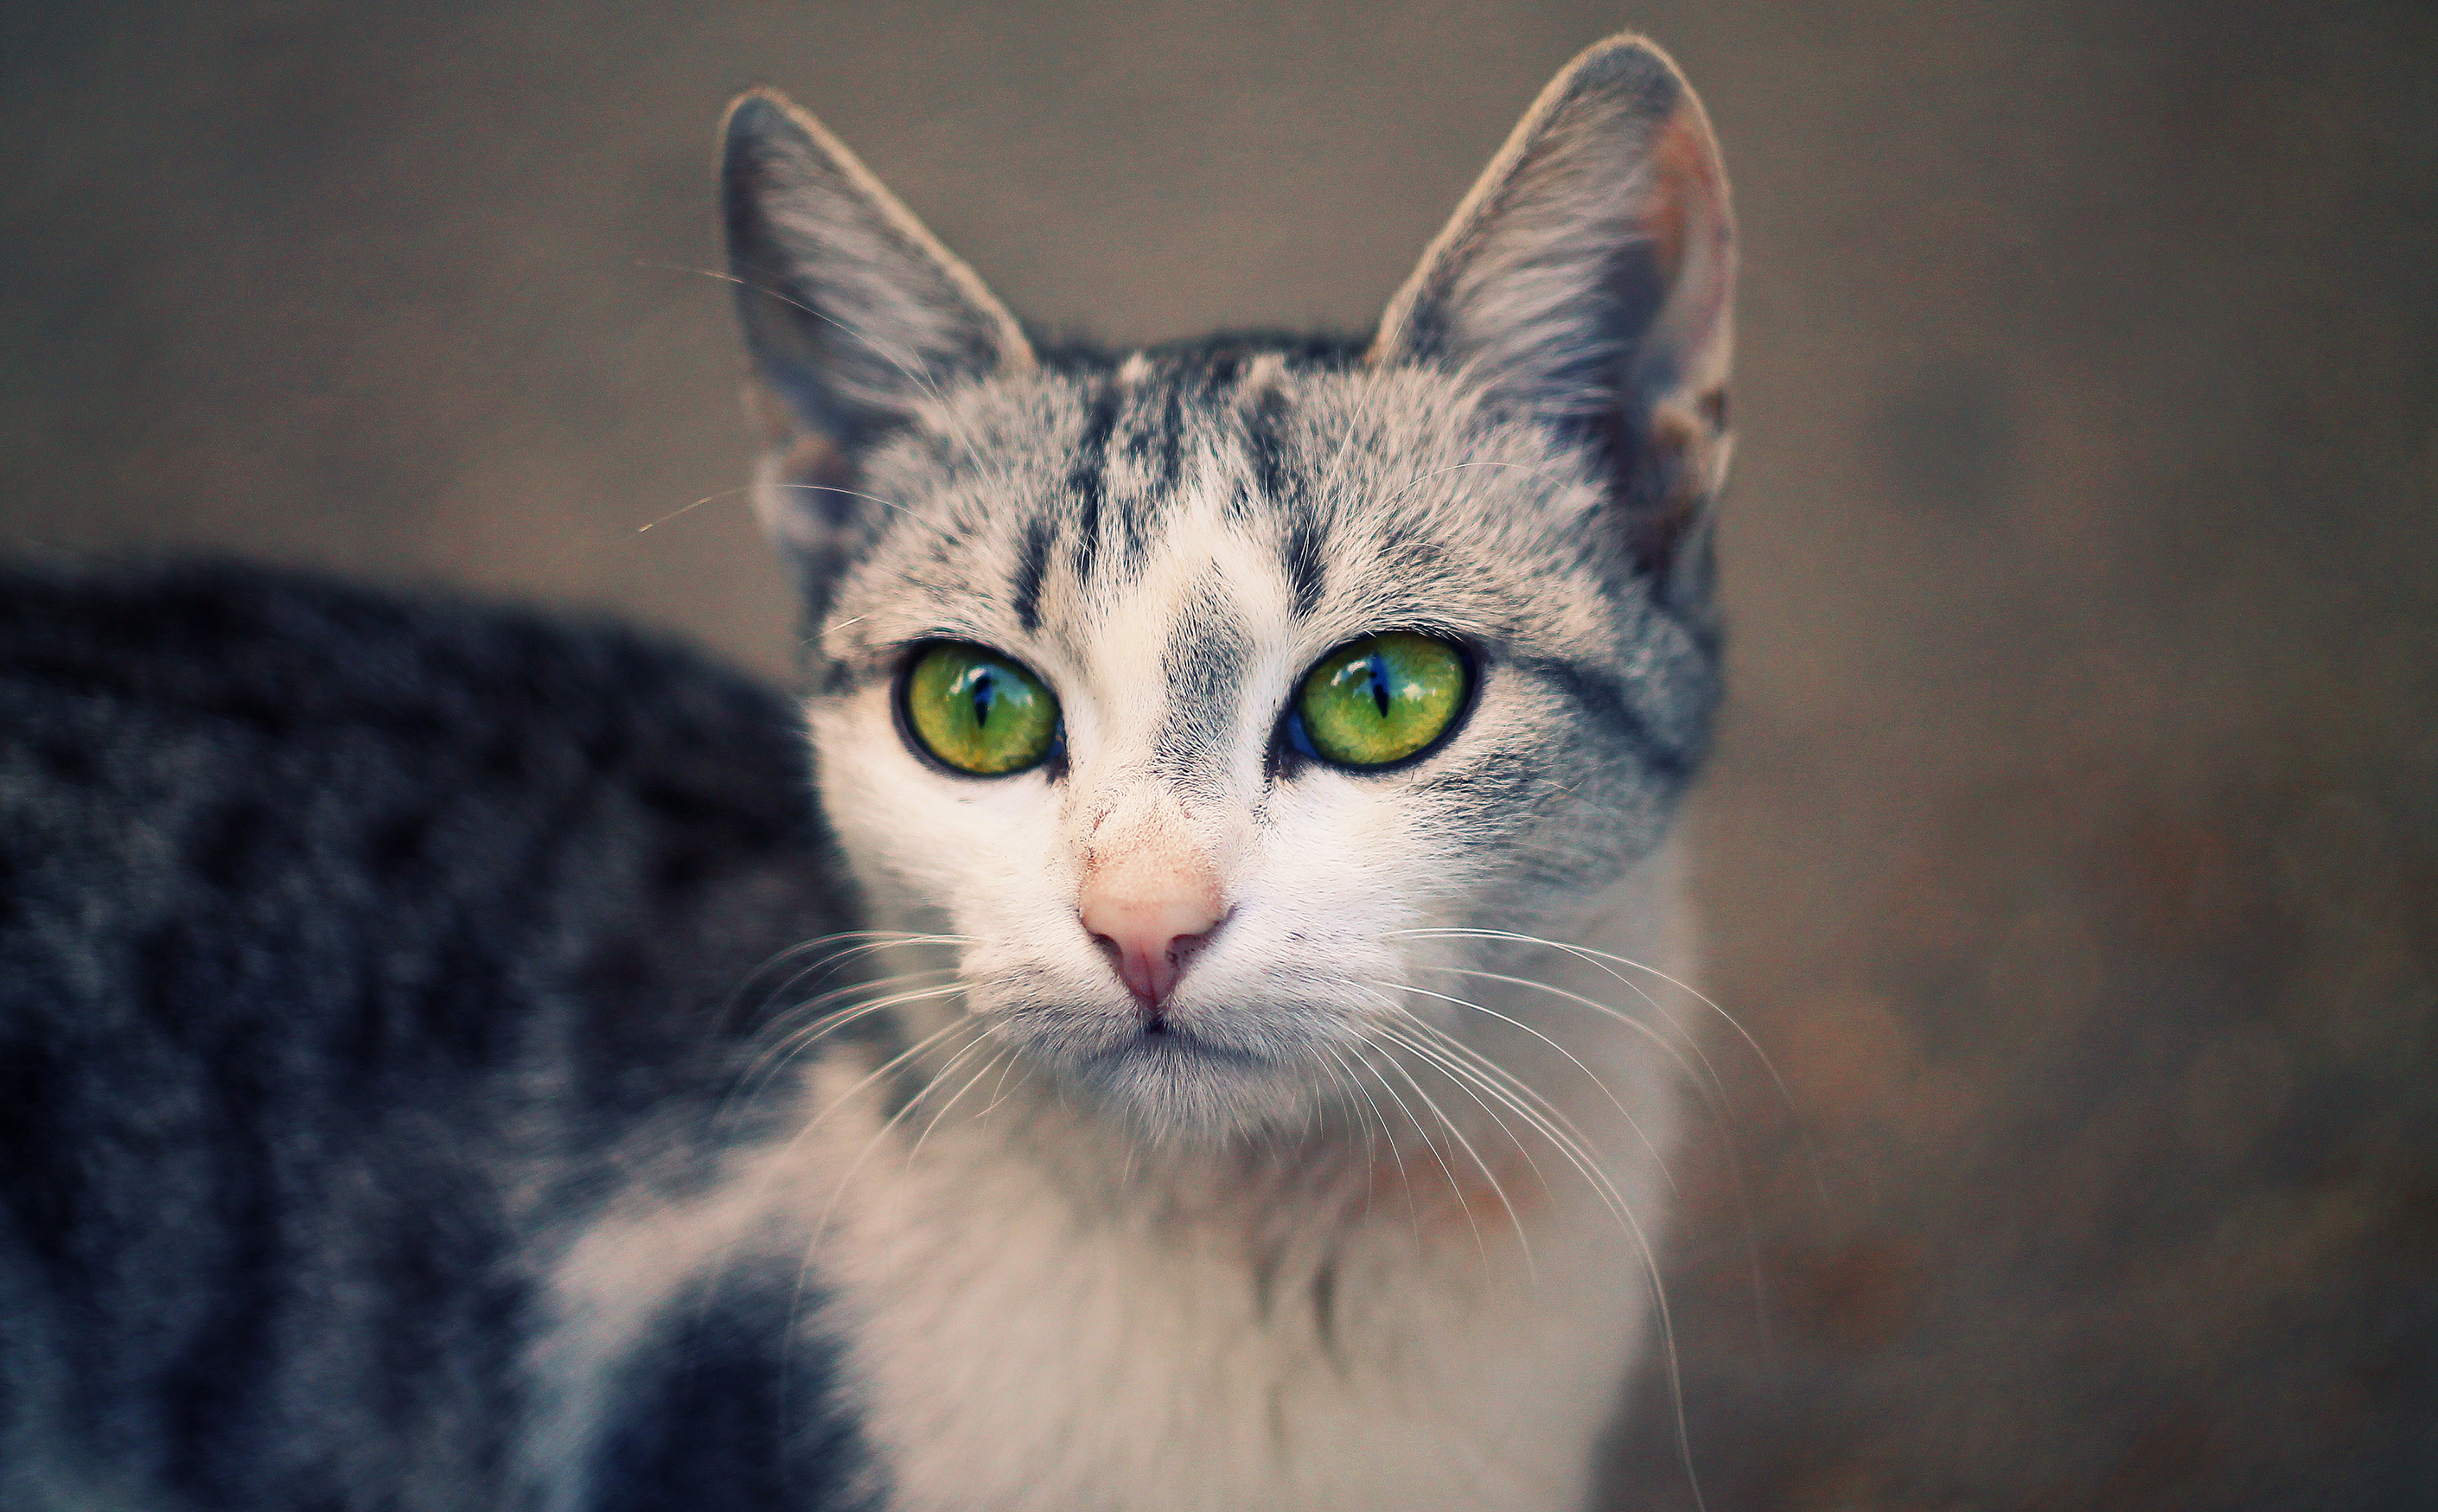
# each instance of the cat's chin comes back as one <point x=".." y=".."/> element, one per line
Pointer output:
<point x="1180" y="1089"/>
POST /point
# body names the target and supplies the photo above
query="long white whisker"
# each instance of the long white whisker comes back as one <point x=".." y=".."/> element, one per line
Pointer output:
<point x="1604" y="958"/>
<point x="1487" y="1174"/>
<point x="1652" y="1272"/>
<point x="1466" y="1085"/>
<point x="865" y="941"/>
<point x="1704" y="1079"/>
<point x="822" y="1008"/>
<point x="812" y="1246"/>
<point x="1707" y="1080"/>
<point x="1456" y="1188"/>
<point x="1404" y="1177"/>
<point x="998" y="1096"/>
<point x="787" y="1039"/>
<point x="942" y="1111"/>
<point x="1714" y="1094"/>
<point x="825" y="488"/>
<point x="1573" y="1146"/>
<point x="687" y="509"/>
<point x="1630" y="1122"/>
<point x="799" y="1040"/>
<point x="879" y="1071"/>
<point x="1521" y="1095"/>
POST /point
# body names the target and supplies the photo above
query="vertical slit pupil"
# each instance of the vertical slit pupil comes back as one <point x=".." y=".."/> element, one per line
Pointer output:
<point x="1379" y="670"/>
<point x="986" y="694"/>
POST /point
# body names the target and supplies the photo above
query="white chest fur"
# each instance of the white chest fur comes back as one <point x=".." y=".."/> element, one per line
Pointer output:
<point x="1017" y="1351"/>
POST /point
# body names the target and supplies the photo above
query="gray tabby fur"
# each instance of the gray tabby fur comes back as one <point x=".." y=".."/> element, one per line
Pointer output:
<point x="1366" y="1217"/>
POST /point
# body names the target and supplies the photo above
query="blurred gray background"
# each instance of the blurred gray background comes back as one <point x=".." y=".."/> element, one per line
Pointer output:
<point x="2073" y="842"/>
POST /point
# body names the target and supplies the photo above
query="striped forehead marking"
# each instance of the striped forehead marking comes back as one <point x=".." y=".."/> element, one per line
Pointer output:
<point x="1126" y="469"/>
<point x="1202" y="670"/>
<point x="1087" y="480"/>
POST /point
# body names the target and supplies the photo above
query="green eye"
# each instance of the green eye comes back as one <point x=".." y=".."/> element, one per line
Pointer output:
<point x="1378" y="700"/>
<point x="978" y="710"/>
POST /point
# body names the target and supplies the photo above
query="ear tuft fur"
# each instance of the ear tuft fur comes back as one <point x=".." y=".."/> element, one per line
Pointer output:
<point x="854" y="313"/>
<point x="1587" y="282"/>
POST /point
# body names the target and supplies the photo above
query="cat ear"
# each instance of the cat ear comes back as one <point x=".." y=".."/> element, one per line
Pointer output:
<point x="1586" y="282"/>
<point x="854" y="313"/>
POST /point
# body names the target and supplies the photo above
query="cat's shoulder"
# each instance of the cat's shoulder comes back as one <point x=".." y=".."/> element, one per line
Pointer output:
<point x="194" y="754"/>
<point x="281" y="651"/>
<point x="347" y="938"/>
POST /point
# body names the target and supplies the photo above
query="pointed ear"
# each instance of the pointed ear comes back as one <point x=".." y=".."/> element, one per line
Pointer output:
<point x="1587" y="281"/>
<point x="853" y="312"/>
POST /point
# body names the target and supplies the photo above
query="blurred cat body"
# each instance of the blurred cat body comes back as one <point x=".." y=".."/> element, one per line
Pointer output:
<point x="1198" y="1120"/>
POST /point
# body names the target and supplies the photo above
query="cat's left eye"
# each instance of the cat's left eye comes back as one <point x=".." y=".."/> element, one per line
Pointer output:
<point x="977" y="710"/>
<point x="1380" y="701"/>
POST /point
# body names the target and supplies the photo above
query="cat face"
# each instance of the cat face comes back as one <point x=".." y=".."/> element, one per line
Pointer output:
<point x="1181" y="690"/>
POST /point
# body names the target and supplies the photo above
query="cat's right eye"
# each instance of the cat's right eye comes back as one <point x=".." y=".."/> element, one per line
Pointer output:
<point x="973" y="710"/>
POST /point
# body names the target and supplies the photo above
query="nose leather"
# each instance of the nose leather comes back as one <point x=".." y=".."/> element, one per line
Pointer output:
<point x="1150" y="907"/>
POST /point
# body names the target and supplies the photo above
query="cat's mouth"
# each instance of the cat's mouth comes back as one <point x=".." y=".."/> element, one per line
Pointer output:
<point x="1203" y="1066"/>
<point x="1175" y="1082"/>
<point x="1162" y="1036"/>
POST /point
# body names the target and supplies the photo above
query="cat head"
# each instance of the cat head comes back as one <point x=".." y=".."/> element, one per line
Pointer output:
<point x="1188" y="690"/>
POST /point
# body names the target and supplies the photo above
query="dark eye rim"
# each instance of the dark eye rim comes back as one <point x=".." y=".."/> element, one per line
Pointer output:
<point x="1053" y="760"/>
<point x="1291" y="746"/>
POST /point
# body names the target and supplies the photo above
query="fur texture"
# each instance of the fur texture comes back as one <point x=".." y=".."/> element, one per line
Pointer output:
<point x="1359" y="1214"/>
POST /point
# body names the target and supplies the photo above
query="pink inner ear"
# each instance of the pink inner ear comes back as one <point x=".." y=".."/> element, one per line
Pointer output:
<point x="1692" y="242"/>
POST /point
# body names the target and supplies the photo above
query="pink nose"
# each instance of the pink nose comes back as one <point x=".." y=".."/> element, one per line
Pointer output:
<point x="1150" y="914"/>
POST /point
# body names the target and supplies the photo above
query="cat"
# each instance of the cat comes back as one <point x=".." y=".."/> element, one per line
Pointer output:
<point x="1208" y="1035"/>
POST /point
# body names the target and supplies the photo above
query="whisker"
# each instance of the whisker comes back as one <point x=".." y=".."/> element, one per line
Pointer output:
<point x="798" y="1042"/>
<point x="865" y="941"/>
<point x="1030" y="1070"/>
<point x="787" y="1038"/>
<point x="1719" y="1104"/>
<point x="1456" y="1188"/>
<point x="942" y="1111"/>
<point x="1631" y="1121"/>
<point x="1704" y="1079"/>
<point x="1487" y="1174"/>
<point x="781" y="957"/>
<point x="823" y="489"/>
<point x="1624" y="1213"/>
<point x="725" y="493"/>
<point x="1548" y="1117"/>
<point x="852" y="1092"/>
<point x="1464" y="1084"/>
<point x="811" y="1012"/>
<point x="1604" y="958"/>
<point x="812" y="1244"/>
<point x="859" y="942"/>
<point x="1574" y="1148"/>
<point x="1405" y="1178"/>
<point x="847" y="1177"/>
